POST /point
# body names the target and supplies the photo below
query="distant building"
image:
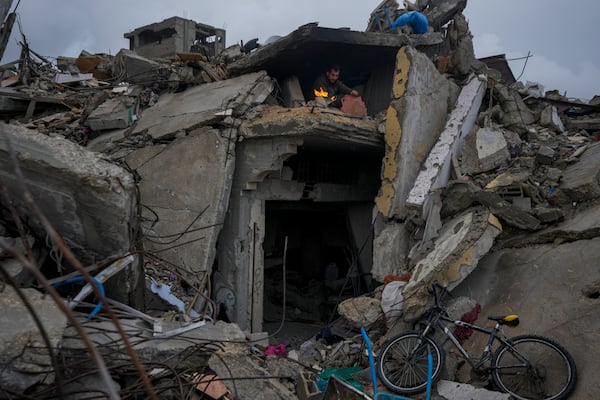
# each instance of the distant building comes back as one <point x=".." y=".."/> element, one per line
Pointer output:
<point x="176" y="35"/>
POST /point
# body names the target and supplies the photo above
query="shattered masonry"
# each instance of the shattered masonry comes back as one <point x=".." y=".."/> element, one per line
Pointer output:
<point x="198" y="209"/>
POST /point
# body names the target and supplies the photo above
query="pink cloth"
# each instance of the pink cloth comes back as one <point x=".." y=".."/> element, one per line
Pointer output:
<point x="278" y="350"/>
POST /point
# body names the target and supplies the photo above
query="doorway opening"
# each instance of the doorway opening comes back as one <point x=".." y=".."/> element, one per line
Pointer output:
<point x="315" y="250"/>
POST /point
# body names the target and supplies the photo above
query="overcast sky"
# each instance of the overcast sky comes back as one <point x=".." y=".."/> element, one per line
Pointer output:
<point x="559" y="34"/>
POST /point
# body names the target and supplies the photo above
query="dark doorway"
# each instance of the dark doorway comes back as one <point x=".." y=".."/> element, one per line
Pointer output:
<point x="321" y="263"/>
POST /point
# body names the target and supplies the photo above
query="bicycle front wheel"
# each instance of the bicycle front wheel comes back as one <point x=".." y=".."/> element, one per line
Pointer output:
<point x="534" y="367"/>
<point x="402" y="364"/>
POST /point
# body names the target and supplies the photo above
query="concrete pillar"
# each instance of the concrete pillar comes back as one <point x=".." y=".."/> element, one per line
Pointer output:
<point x="415" y="118"/>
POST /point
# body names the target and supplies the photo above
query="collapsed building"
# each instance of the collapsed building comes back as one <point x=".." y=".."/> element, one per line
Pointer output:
<point x="204" y="181"/>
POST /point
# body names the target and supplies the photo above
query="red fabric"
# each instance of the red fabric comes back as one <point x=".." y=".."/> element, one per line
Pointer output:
<point x="278" y="350"/>
<point x="462" y="333"/>
<point x="353" y="105"/>
<point x="392" y="278"/>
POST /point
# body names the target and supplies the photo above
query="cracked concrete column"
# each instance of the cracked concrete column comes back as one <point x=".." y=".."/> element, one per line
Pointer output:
<point x="416" y="116"/>
<point x="435" y="172"/>
<point x="415" y="119"/>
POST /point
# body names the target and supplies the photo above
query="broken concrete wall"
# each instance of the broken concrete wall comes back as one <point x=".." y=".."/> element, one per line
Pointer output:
<point x="185" y="184"/>
<point x="462" y="242"/>
<point x="131" y="67"/>
<point x="390" y="251"/>
<point x="436" y="170"/>
<point x="91" y="202"/>
<point x="241" y="259"/>
<point x="175" y="35"/>
<point x="184" y="191"/>
<point x="203" y="105"/>
<point x="271" y="135"/>
<point x="415" y="118"/>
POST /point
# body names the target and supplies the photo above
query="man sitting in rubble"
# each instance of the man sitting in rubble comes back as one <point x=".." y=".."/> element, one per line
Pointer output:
<point x="329" y="90"/>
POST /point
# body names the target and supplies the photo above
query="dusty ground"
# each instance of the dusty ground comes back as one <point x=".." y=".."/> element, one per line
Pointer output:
<point x="545" y="286"/>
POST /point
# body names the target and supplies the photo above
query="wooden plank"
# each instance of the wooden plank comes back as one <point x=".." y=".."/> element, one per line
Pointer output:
<point x="30" y="109"/>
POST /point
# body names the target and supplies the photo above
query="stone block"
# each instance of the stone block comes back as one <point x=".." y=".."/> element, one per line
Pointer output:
<point x="545" y="155"/>
<point x="292" y="92"/>
<point x="390" y="251"/>
<point x="548" y="215"/>
<point x="484" y="150"/>
<point x="134" y="68"/>
<point x="522" y="203"/>
<point x="361" y="311"/>
<point x="550" y="119"/>
<point x="580" y="181"/>
<point x="115" y="113"/>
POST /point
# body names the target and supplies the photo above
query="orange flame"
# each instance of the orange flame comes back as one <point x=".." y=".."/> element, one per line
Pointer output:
<point x="321" y="93"/>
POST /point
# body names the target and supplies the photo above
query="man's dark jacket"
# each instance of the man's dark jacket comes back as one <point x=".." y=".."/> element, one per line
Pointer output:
<point x="332" y="89"/>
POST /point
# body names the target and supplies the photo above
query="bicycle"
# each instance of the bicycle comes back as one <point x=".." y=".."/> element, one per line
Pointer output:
<point x="528" y="367"/>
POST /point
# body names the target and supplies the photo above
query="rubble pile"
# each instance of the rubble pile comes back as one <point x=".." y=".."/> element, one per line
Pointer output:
<point x="164" y="207"/>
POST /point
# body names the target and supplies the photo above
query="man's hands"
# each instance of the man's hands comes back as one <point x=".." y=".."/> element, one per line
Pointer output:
<point x="354" y="93"/>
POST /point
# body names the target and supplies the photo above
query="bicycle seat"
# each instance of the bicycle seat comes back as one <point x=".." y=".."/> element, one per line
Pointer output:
<point x="508" y="320"/>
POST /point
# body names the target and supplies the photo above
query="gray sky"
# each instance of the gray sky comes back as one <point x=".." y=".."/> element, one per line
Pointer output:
<point x="559" y="35"/>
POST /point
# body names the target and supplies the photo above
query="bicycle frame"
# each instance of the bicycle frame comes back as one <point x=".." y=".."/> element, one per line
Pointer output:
<point x="487" y="351"/>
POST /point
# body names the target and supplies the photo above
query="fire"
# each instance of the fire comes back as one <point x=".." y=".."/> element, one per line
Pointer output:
<point x="321" y="93"/>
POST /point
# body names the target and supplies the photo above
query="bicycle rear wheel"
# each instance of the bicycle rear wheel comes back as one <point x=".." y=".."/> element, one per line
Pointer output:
<point x="534" y="368"/>
<point x="402" y="363"/>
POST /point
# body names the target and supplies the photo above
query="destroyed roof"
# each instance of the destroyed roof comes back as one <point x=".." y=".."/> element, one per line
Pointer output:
<point x="310" y="44"/>
<point x="208" y="29"/>
<point x="500" y="64"/>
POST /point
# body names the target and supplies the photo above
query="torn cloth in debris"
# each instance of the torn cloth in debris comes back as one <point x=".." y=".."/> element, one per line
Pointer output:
<point x="392" y="302"/>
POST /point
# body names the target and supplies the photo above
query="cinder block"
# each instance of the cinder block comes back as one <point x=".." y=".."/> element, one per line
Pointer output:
<point x="307" y="387"/>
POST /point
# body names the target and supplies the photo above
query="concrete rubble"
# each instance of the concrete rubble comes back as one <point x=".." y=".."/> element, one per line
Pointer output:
<point x="208" y="222"/>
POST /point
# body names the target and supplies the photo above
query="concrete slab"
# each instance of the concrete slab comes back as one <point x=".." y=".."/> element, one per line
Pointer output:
<point x="585" y="224"/>
<point x="115" y="113"/>
<point x="234" y="365"/>
<point x="580" y="181"/>
<point x="550" y="119"/>
<point x="292" y="92"/>
<point x="462" y="242"/>
<point x="170" y="350"/>
<point x="134" y="68"/>
<point x="436" y="169"/>
<point x="281" y="121"/>
<point x="546" y="286"/>
<point x="90" y="201"/>
<point x="198" y="106"/>
<point x="418" y="90"/>
<point x="184" y="191"/>
<point x="25" y="360"/>
<point x="390" y="251"/>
